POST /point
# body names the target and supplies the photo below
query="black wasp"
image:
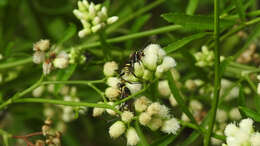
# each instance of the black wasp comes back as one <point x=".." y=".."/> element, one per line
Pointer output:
<point x="129" y="66"/>
<point x="124" y="92"/>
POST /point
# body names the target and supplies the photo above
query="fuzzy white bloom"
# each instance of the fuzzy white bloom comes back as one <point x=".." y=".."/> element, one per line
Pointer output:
<point x="164" y="112"/>
<point x="132" y="137"/>
<point x="47" y="67"/>
<point x="117" y="129"/>
<point x="141" y="104"/>
<point x="154" y="108"/>
<point x="231" y="130"/>
<point x="139" y="69"/>
<point x="173" y="101"/>
<point x="113" y="82"/>
<point x="255" y="139"/>
<point x="246" y="125"/>
<point x="110" y="111"/>
<point x="170" y="126"/>
<point x="112" y="20"/>
<point x="110" y="68"/>
<point x="42" y="45"/>
<point x="134" y="87"/>
<point x="61" y="61"/>
<point x="38" y="91"/>
<point x="221" y="116"/>
<point x="112" y="93"/>
<point x="155" y="124"/>
<point x="195" y="105"/>
<point x="163" y="88"/>
<point x="38" y="57"/>
<point x="234" y="114"/>
<point x="144" y="118"/>
<point x="127" y="116"/>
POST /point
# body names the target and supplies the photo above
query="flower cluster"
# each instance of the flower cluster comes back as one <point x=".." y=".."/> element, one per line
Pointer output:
<point x="50" y="58"/>
<point x="53" y="137"/>
<point x="76" y="56"/>
<point x="244" y="135"/>
<point x="205" y="57"/>
<point x="143" y="65"/>
<point x="93" y="17"/>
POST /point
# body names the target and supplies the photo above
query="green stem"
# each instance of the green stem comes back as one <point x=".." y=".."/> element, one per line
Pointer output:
<point x="217" y="77"/>
<point x="16" y="63"/>
<point x="67" y="103"/>
<point x="20" y="94"/>
<point x="132" y="36"/>
<point x="98" y="91"/>
<point x="73" y="82"/>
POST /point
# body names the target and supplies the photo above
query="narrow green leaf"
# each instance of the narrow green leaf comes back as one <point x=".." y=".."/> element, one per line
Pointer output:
<point x="250" y="113"/>
<point x="192" y="6"/>
<point x="195" y="22"/>
<point x="180" y="43"/>
<point x="240" y="9"/>
<point x="179" y="98"/>
<point x="69" y="33"/>
<point x="143" y="141"/>
<point x="193" y="136"/>
<point x="64" y="75"/>
<point x="241" y="100"/>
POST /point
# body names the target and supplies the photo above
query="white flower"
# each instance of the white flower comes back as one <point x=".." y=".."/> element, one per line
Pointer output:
<point x="38" y="57"/>
<point x="61" y="61"/>
<point x="195" y="105"/>
<point x="155" y="124"/>
<point x="163" y="88"/>
<point x="246" y="125"/>
<point x="170" y="126"/>
<point x="134" y="87"/>
<point x="110" y="111"/>
<point x="144" y="118"/>
<point x="150" y="61"/>
<point x="221" y="116"/>
<point x="164" y="112"/>
<point x="112" y="20"/>
<point x="154" y="108"/>
<point x="234" y="114"/>
<point x="38" y="91"/>
<point x="231" y="130"/>
<point x="42" y="45"/>
<point x="110" y="68"/>
<point x="255" y="139"/>
<point x="159" y="71"/>
<point x="132" y="137"/>
<point x="98" y="111"/>
<point x="185" y="118"/>
<point x="113" y="82"/>
<point x="127" y="116"/>
<point x="141" y="104"/>
<point x="47" y="67"/>
<point x="168" y="63"/>
<point x="112" y="93"/>
<point x="190" y="85"/>
<point x="117" y="129"/>
<point x="173" y="101"/>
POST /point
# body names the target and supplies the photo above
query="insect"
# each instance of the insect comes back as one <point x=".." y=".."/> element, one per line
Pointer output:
<point x="124" y="92"/>
<point x="129" y="66"/>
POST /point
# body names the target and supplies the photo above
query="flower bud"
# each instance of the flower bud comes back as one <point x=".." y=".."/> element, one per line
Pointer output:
<point x="155" y="124"/>
<point x="148" y="75"/>
<point x="42" y="45"/>
<point x="110" y="68"/>
<point x="234" y="114"/>
<point x="112" y="20"/>
<point x="117" y="129"/>
<point x="173" y="101"/>
<point x="163" y="88"/>
<point x="134" y="87"/>
<point x="138" y="69"/>
<point x="113" y="82"/>
<point x="37" y="92"/>
<point x="84" y="32"/>
<point x="141" y="104"/>
<point x="144" y="118"/>
<point x="47" y="67"/>
<point x="132" y="137"/>
<point x="112" y="93"/>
